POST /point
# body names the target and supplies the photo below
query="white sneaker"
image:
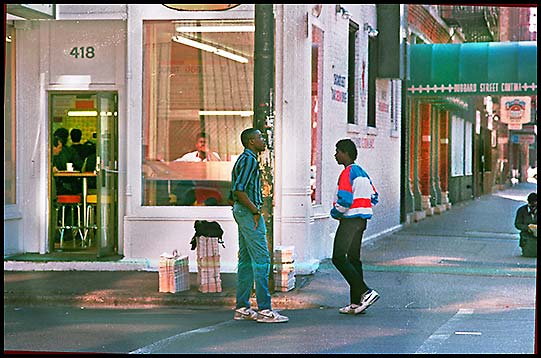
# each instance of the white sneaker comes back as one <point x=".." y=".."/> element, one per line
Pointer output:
<point x="351" y="309"/>
<point x="245" y="313"/>
<point x="368" y="298"/>
<point x="268" y="316"/>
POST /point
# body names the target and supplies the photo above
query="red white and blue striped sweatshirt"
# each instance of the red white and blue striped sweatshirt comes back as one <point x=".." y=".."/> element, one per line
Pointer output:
<point x="355" y="194"/>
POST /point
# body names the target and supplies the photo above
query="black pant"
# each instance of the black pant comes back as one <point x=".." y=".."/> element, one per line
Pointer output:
<point x="528" y="244"/>
<point x="346" y="255"/>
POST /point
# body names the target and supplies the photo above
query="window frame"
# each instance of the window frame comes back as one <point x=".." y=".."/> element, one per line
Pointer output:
<point x="158" y="112"/>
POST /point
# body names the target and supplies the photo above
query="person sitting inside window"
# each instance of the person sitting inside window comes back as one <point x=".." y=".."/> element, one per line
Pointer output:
<point x="202" y="153"/>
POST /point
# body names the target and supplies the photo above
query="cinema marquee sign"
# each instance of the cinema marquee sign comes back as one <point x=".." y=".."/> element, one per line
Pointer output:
<point x="481" y="89"/>
<point x="473" y="69"/>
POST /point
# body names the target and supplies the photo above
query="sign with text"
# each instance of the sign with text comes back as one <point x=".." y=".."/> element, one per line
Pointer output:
<point x="515" y="110"/>
<point x="473" y="69"/>
<point x="338" y="90"/>
<point x="84" y="52"/>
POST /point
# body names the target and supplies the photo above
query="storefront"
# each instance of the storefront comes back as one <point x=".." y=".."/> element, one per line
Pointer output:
<point x="454" y="97"/>
<point x="164" y="95"/>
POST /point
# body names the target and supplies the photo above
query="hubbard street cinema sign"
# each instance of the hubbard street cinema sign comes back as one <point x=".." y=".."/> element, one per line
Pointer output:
<point x="473" y="69"/>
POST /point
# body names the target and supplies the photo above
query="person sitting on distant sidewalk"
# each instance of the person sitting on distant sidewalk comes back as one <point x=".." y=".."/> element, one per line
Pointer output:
<point x="526" y="216"/>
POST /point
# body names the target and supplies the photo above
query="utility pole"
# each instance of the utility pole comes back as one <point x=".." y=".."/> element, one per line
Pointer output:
<point x="264" y="114"/>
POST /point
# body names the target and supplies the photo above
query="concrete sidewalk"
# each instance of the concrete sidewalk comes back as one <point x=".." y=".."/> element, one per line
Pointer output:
<point x="473" y="238"/>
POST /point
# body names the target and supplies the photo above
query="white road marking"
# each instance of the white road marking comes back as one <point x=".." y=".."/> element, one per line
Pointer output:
<point x="154" y="347"/>
<point x="442" y="333"/>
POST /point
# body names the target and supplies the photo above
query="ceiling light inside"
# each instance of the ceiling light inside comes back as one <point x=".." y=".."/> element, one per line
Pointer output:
<point x="209" y="48"/>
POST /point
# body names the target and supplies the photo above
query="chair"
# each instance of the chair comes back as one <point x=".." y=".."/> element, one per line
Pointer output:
<point x="71" y="202"/>
<point x="207" y="196"/>
<point x="90" y="224"/>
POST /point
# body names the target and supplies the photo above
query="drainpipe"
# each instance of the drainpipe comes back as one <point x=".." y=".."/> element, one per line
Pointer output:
<point x="264" y="114"/>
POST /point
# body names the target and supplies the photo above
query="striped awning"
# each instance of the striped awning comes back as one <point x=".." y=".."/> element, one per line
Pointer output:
<point x="471" y="69"/>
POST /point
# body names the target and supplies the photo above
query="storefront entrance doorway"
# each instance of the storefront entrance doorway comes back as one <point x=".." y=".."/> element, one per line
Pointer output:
<point x="83" y="164"/>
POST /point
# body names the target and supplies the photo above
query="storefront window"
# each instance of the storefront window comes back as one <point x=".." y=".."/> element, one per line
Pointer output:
<point x="198" y="98"/>
<point x="461" y="147"/>
<point x="468" y="150"/>
<point x="457" y="146"/>
<point x="10" y="174"/>
<point x="317" y="84"/>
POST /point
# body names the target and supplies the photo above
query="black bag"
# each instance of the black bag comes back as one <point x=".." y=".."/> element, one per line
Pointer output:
<point x="208" y="229"/>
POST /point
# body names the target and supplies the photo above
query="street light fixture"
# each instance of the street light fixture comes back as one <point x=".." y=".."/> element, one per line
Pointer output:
<point x="372" y="32"/>
<point x="345" y="14"/>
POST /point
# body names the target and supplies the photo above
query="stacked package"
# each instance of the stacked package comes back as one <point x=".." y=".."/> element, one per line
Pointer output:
<point x="208" y="265"/>
<point x="173" y="273"/>
<point x="284" y="271"/>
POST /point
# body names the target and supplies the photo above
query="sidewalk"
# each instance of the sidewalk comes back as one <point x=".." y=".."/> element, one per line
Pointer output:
<point x="476" y="237"/>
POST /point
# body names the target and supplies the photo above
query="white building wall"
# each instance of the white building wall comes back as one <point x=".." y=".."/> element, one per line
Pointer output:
<point x="42" y="60"/>
<point x="297" y="222"/>
<point x="146" y="232"/>
<point x="31" y="136"/>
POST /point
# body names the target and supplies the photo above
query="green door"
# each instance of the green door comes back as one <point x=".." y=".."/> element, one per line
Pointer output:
<point x="107" y="174"/>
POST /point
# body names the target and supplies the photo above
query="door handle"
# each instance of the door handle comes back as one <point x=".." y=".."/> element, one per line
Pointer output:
<point x="110" y="170"/>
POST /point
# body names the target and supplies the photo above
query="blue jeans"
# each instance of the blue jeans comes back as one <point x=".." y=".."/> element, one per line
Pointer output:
<point x="254" y="259"/>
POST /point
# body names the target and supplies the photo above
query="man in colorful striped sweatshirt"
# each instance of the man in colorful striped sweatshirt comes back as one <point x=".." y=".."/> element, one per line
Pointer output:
<point x="352" y="207"/>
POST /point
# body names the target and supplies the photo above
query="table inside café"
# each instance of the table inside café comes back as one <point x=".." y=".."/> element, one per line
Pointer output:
<point x="78" y="174"/>
<point x="188" y="183"/>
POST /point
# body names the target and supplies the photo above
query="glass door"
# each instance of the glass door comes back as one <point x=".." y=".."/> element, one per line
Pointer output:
<point x="107" y="174"/>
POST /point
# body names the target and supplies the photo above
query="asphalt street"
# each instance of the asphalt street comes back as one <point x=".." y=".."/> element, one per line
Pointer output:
<point x="452" y="283"/>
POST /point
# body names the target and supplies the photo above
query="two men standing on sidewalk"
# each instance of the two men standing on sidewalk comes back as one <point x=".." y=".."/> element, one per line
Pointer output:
<point x="353" y="207"/>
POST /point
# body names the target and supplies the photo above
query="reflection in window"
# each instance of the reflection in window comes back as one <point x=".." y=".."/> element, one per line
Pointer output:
<point x="198" y="97"/>
<point x="10" y="174"/>
<point x="317" y="84"/>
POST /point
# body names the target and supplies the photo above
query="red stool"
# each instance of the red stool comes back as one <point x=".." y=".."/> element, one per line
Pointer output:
<point x="72" y="202"/>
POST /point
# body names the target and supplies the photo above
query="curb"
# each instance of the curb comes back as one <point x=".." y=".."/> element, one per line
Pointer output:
<point x="170" y="300"/>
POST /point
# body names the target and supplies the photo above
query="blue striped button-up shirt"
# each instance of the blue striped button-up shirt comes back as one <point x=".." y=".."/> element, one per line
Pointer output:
<point x="246" y="177"/>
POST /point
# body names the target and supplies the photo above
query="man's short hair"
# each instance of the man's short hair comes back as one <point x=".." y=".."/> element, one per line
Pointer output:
<point x="347" y="146"/>
<point x="246" y="135"/>
<point x="63" y="134"/>
<point x="76" y="135"/>
<point x="532" y="198"/>
<point x="201" y="135"/>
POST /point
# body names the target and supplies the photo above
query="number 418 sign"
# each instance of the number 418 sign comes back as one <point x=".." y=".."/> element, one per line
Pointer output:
<point x="83" y="52"/>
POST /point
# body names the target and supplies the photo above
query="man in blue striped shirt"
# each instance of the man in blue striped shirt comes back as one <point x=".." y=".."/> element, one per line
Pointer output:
<point x="253" y="256"/>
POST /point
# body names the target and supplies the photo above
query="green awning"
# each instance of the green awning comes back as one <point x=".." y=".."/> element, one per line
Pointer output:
<point x="475" y="68"/>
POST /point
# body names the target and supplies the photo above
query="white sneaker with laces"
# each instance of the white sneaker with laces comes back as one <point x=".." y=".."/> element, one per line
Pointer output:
<point x="245" y="313"/>
<point x="269" y="316"/>
<point x="368" y="298"/>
